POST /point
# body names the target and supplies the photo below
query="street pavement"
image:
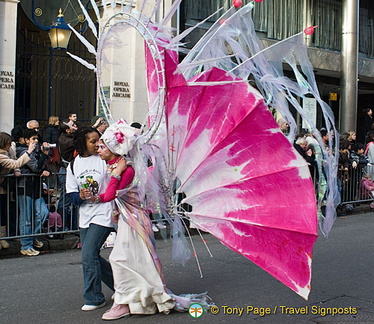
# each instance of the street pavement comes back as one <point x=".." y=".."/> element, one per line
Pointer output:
<point x="48" y="288"/>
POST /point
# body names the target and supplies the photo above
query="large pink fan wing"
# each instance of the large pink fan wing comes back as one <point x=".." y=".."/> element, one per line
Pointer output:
<point x="245" y="182"/>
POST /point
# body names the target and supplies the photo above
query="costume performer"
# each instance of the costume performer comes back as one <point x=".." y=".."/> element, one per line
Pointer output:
<point x="139" y="288"/>
<point x="205" y="104"/>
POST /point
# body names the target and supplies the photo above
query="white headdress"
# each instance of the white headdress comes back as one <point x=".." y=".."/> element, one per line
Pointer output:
<point x="120" y="137"/>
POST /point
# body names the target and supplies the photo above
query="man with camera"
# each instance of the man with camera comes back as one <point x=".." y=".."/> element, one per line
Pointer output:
<point x="34" y="125"/>
<point x="32" y="207"/>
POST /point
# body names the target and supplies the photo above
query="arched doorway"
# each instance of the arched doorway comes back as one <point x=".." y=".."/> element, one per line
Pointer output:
<point x="49" y="82"/>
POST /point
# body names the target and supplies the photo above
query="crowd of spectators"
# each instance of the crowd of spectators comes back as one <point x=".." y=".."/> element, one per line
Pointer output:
<point x="38" y="159"/>
<point x="356" y="160"/>
<point x="355" y="165"/>
<point x="33" y="164"/>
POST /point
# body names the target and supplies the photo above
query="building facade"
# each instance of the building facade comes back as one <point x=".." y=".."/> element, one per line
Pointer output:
<point x="37" y="81"/>
<point x="276" y="20"/>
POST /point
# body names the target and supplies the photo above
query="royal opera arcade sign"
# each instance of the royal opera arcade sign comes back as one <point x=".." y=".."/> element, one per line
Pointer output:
<point x="6" y="80"/>
<point x="121" y="90"/>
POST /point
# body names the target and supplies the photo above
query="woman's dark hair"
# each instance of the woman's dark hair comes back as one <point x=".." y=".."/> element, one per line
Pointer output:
<point x="136" y="125"/>
<point x="359" y="146"/>
<point x="370" y="136"/>
<point x="5" y="139"/>
<point x="344" y="145"/>
<point x="365" y="111"/>
<point x="17" y="132"/>
<point x="28" y="133"/>
<point x="344" y="136"/>
<point x="80" y="137"/>
<point x="64" y="125"/>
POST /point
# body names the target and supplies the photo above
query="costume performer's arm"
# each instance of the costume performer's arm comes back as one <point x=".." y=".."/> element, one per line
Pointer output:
<point x="117" y="184"/>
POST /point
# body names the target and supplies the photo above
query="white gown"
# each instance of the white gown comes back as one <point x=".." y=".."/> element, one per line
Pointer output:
<point x="136" y="279"/>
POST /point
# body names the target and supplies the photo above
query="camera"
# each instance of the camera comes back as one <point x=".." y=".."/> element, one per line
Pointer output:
<point x="50" y="146"/>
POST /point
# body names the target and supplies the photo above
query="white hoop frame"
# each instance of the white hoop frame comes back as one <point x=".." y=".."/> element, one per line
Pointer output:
<point x="140" y="23"/>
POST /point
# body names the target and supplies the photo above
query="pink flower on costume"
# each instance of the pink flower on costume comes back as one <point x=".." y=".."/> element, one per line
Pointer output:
<point x="119" y="137"/>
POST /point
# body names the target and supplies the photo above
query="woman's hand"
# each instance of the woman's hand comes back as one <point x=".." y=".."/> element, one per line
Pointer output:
<point x="85" y="194"/>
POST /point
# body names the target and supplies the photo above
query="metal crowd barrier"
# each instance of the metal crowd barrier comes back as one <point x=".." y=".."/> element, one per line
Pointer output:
<point x="54" y="196"/>
<point x="351" y="191"/>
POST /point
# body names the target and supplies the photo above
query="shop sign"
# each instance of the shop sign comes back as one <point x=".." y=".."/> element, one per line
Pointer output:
<point x="121" y="90"/>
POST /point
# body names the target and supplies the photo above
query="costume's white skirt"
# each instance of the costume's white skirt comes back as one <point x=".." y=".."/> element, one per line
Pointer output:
<point x="136" y="280"/>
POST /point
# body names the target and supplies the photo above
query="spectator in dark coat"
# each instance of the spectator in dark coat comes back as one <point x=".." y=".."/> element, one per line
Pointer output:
<point x="367" y="122"/>
<point x="52" y="131"/>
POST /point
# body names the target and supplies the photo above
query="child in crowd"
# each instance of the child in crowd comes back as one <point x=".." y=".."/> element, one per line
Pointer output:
<point x="54" y="220"/>
<point x="48" y="195"/>
<point x="359" y="157"/>
<point x="367" y="186"/>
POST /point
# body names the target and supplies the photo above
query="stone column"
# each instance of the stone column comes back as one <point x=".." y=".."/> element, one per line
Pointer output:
<point x="349" y="65"/>
<point x="123" y="75"/>
<point x="123" y="72"/>
<point x="8" y="36"/>
<point x="307" y="19"/>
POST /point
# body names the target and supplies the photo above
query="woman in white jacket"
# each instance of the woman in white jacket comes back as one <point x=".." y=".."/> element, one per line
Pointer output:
<point x="8" y="164"/>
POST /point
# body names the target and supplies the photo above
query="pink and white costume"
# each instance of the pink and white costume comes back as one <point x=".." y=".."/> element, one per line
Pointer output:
<point x="137" y="281"/>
